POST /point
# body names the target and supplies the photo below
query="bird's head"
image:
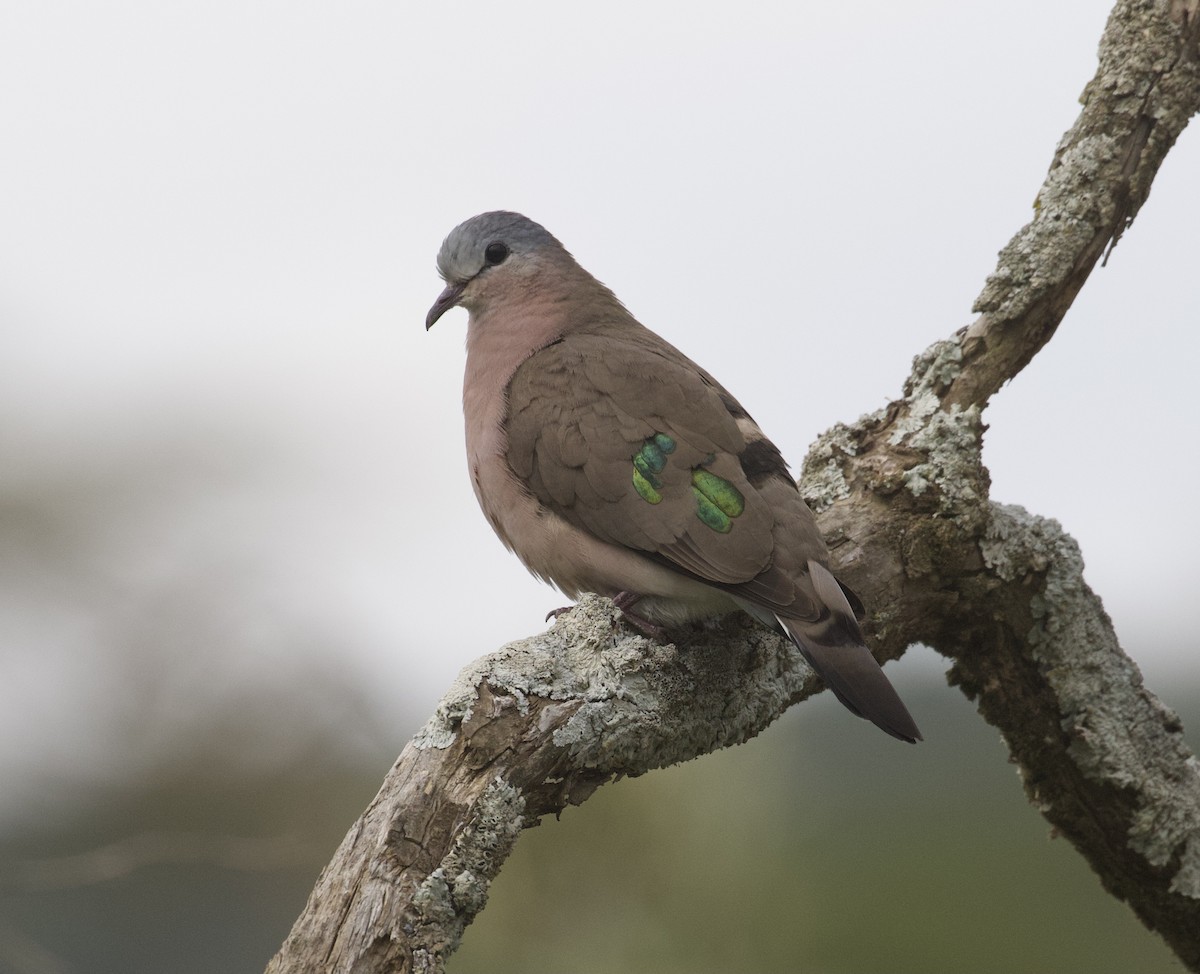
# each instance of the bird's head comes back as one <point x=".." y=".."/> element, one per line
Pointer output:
<point x="489" y="255"/>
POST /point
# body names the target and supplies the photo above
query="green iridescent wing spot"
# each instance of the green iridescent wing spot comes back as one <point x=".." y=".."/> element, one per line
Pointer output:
<point x="645" y="488"/>
<point x="648" y="463"/>
<point x="718" y="502"/>
<point x="719" y="492"/>
<point x="711" y="515"/>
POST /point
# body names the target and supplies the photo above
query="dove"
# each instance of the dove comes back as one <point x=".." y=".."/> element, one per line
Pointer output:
<point x="610" y="462"/>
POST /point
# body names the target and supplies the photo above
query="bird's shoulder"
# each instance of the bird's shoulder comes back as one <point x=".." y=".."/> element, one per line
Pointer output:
<point x="629" y="370"/>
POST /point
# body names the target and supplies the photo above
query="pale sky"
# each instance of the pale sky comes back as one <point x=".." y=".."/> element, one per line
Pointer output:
<point x="217" y="229"/>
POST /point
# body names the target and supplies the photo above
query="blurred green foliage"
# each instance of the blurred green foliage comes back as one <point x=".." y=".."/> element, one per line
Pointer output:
<point x="821" y="846"/>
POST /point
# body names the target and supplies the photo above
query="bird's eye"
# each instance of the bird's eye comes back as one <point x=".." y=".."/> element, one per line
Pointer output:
<point x="496" y="253"/>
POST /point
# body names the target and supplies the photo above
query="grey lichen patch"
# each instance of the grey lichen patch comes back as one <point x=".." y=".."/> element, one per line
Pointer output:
<point x="1186" y="881"/>
<point x="496" y="821"/>
<point x="602" y="658"/>
<point x="651" y="705"/>
<point x="455" y="706"/>
<point x="433" y="901"/>
<point x="457" y="889"/>
<point x="1016" y="542"/>
<point x="933" y="371"/>
<point x="1137" y="30"/>
<point x="919" y="479"/>
<point x="1072" y="205"/>
<point x="578" y="657"/>
<point x="1120" y="734"/>
<point x="920" y="407"/>
<point x="839" y="438"/>
<point x="823" y="486"/>
<point x="822" y="480"/>
<point x="950" y="439"/>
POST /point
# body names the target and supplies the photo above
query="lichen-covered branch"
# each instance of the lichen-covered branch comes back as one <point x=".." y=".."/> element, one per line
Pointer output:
<point x="522" y="733"/>
<point x="1101" y="757"/>
<point x="902" y="497"/>
<point x="1144" y="93"/>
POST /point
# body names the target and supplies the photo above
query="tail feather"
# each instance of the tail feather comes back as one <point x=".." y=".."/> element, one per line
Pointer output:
<point x="837" y="651"/>
<point x="850" y="671"/>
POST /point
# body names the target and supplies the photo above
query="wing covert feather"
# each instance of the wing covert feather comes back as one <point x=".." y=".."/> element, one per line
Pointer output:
<point x="579" y="411"/>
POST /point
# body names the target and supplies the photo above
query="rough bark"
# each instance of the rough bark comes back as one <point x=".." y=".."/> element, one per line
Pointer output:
<point x="903" y="498"/>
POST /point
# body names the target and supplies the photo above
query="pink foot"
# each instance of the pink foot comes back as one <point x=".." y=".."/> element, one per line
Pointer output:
<point x="625" y="601"/>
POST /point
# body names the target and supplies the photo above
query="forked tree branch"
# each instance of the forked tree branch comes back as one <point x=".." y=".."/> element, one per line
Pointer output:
<point x="902" y="496"/>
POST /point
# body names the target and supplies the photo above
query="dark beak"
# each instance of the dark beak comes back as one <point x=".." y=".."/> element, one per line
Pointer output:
<point x="446" y="300"/>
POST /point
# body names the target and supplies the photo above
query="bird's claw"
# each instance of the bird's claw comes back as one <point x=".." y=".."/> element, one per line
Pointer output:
<point x="624" y="602"/>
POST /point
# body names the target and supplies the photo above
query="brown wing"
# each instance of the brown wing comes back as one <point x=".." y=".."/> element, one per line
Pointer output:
<point x="628" y="439"/>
